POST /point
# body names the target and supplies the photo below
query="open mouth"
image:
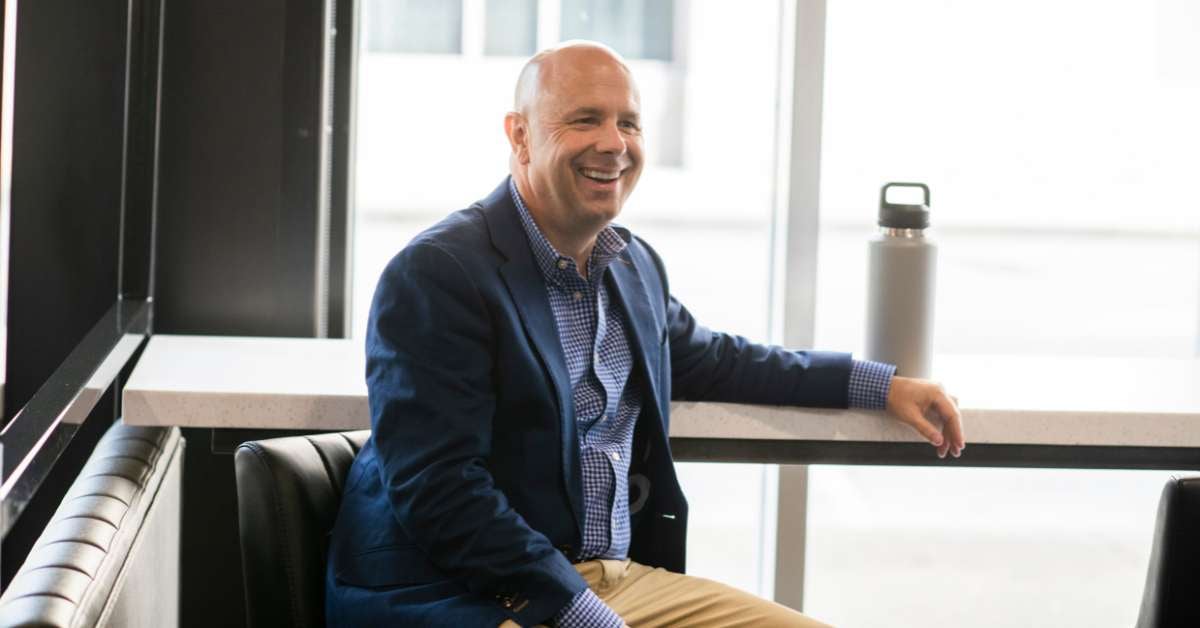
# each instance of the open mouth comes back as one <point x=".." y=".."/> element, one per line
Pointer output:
<point x="599" y="175"/>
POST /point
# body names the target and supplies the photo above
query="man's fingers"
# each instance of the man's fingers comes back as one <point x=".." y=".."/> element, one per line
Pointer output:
<point x="953" y="419"/>
<point x="952" y="439"/>
<point x="924" y="427"/>
<point x="954" y="434"/>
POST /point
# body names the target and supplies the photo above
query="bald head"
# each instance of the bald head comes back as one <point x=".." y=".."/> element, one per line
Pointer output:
<point x="553" y="66"/>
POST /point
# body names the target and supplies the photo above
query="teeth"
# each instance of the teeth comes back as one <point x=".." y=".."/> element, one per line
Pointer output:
<point x="599" y="174"/>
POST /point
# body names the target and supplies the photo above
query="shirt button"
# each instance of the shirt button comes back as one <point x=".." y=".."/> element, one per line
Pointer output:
<point x="562" y="264"/>
<point x="616" y="456"/>
<point x="578" y="295"/>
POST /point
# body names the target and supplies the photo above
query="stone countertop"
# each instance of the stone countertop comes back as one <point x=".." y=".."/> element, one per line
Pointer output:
<point x="315" y="384"/>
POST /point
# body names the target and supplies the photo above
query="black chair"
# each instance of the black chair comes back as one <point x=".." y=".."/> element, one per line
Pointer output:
<point x="289" y="490"/>
<point x="1172" y="593"/>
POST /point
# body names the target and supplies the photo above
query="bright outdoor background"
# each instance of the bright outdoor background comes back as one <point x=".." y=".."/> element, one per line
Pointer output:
<point x="1059" y="140"/>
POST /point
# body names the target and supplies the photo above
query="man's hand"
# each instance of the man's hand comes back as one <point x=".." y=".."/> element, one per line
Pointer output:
<point x="917" y="401"/>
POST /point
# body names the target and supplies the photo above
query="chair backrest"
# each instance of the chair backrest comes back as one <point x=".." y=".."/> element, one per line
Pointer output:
<point x="289" y="490"/>
<point x="1173" y="578"/>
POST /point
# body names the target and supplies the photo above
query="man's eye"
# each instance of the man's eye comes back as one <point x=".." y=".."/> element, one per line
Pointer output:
<point x="584" y="121"/>
<point x="630" y="125"/>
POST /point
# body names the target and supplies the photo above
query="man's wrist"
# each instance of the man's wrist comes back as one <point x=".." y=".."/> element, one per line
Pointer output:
<point x="587" y="610"/>
<point x="869" y="384"/>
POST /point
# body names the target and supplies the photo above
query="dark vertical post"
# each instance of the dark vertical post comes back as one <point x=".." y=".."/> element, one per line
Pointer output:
<point x="341" y="184"/>
<point x="305" y="149"/>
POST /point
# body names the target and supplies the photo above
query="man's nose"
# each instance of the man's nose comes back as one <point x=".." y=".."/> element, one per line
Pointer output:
<point x="611" y="140"/>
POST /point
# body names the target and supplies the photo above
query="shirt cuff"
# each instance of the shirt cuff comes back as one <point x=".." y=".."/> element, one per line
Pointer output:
<point x="587" y="610"/>
<point x="869" y="384"/>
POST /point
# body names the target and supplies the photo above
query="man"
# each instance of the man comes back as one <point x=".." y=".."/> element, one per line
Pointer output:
<point x="521" y="358"/>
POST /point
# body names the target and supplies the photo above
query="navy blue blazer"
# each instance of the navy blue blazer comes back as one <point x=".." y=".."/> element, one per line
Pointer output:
<point x="461" y="508"/>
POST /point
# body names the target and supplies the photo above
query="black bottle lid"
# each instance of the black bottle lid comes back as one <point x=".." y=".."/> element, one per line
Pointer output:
<point x="899" y="216"/>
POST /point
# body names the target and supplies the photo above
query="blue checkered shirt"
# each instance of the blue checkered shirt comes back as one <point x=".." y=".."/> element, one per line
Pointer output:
<point x="607" y="395"/>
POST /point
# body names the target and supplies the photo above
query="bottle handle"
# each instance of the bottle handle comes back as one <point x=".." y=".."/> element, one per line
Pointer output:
<point x="883" y="191"/>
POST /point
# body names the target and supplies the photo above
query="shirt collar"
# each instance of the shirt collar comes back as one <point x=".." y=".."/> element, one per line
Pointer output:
<point x="556" y="266"/>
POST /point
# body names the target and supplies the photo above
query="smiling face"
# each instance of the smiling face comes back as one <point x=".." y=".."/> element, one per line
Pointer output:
<point x="577" y="139"/>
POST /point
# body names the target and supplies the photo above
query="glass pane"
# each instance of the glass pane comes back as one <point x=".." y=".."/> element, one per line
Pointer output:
<point x="978" y="547"/>
<point x="420" y="26"/>
<point x="640" y="29"/>
<point x="511" y="28"/>
<point x="1058" y="140"/>
<point x="726" y="506"/>
<point x="1062" y="169"/>
<point x="701" y="202"/>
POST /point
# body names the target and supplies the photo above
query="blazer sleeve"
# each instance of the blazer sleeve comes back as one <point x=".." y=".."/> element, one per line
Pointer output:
<point x="429" y="362"/>
<point x="714" y="366"/>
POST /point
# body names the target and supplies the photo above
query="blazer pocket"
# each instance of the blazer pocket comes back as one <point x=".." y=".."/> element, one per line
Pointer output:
<point x="387" y="566"/>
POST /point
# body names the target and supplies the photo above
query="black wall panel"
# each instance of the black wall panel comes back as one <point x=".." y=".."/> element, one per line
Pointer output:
<point x="68" y="110"/>
<point x="236" y="216"/>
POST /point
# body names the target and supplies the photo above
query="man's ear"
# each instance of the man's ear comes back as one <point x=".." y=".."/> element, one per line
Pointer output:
<point x="516" y="127"/>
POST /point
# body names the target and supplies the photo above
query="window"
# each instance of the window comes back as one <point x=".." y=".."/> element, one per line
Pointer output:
<point x="511" y="28"/>
<point x="1058" y="140"/>
<point x="1061" y="156"/>
<point x="638" y="29"/>
<point x="414" y="26"/>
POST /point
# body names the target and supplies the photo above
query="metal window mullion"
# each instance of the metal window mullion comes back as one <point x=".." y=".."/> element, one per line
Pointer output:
<point x="346" y="40"/>
<point x="549" y="22"/>
<point x="139" y="186"/>
<point x="326" y="34"/>
<point x="794" y="269"/>
<point x="303" y="219"/>
<point x="8" y="40"/>
<point x="474" y="28"/>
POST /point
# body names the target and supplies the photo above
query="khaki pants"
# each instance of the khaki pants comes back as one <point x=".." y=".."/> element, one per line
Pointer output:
<point x="645" y="596"/>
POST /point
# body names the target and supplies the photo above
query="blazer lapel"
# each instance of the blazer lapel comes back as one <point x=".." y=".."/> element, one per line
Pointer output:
<point x="524" y="282"/>
<point x="632" y="295"/>
<point x="527" y="286"/>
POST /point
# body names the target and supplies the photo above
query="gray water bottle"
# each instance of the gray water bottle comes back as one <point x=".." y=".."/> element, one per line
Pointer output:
<point x="902" y="273"/>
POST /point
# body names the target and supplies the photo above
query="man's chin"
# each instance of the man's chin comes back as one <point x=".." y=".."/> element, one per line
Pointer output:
<point x="602" y="214"/>
<point x="608" y="205"/>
